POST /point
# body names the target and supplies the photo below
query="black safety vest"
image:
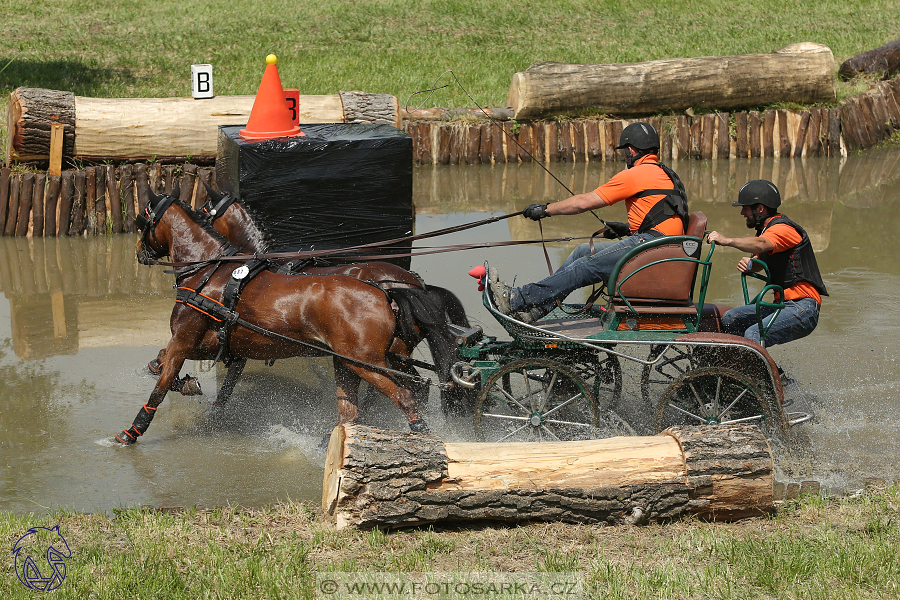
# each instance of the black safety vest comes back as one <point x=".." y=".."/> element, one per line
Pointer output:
<point x="674" y="203"/>
<point x="793" y="265"/>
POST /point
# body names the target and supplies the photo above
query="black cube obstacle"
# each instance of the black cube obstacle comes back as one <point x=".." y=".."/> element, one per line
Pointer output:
<point x="341" y="185"/>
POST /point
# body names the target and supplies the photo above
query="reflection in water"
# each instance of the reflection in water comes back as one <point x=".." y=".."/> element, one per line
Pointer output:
<point x="82" y="319"/>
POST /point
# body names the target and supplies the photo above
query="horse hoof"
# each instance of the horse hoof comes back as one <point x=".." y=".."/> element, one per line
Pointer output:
<point x="155" y="366"/>
<point x="124" y="438"/>
<point x="418" y="425"/>
<point x="191" y="386"/>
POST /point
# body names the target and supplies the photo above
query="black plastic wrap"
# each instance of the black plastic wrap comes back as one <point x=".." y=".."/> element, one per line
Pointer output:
<point x="341" y="185"/>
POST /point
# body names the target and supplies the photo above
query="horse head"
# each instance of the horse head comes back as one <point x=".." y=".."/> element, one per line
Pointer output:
<point x="149" y="246"/>
<point x="232" y="220"/>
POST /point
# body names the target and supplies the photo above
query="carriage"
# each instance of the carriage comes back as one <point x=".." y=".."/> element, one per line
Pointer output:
<point x="653" y="356"/>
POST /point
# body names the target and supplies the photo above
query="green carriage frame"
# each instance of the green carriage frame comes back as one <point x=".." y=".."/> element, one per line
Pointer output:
<point x="560" y="378"/>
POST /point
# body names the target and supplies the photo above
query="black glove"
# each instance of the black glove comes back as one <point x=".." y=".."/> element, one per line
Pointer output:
<point x="616" y="230"/>
<point x="535" y="212"/>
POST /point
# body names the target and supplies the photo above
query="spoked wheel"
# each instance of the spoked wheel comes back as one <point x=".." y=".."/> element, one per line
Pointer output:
<point x="711" y="396"/>
<point x="536" y="400"/>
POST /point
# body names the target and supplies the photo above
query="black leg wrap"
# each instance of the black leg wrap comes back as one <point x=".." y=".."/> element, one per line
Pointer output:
<point x="138" y="427"/>
<point x="418" y="425"/>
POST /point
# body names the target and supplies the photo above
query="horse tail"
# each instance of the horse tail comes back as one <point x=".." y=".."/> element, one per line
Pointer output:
<point x="432" y="310"/>
<point x="451" y="305"/>
<point x="427" y="312"/>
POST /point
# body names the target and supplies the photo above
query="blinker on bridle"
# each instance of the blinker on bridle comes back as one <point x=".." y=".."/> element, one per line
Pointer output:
<point x="148" y="218"/>
<point x="222" y="202"/>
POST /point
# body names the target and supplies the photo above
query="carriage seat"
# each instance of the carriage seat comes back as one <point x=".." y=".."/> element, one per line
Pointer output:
<point x="666" y="284"/>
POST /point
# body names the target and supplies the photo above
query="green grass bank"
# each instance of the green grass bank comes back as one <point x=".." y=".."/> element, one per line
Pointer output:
<point x="814" y="548"/>
<point x="108" y="48"/>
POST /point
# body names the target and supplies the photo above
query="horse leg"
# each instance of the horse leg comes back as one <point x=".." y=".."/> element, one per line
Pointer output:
<point x="156" y="364"/>
<point x="231" y="378"/>
<point x="142" y="421"/>
<point x="401" y="396"/>
<point x="347" y="392"/>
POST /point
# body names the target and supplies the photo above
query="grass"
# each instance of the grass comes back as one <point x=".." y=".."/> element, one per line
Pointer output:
<point x="106" y="48"/>
<point x="814" y="548"/>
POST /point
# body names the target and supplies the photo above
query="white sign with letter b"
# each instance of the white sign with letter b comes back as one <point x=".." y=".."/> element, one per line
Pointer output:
<point x="201" y="81"/>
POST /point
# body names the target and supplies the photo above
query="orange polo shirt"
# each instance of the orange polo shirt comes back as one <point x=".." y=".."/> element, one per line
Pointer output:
<point x="784" y="237"/>
<point x="625" y="184"/>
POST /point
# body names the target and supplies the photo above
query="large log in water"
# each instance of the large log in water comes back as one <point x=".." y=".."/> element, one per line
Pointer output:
<point x="387" y="479"/>
<point x="884" y="60"/>
<point x="164" y="128"/>
<point x="798" y="73"/>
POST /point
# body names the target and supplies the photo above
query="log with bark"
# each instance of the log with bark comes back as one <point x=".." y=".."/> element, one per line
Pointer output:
<point x="386" y="479"/>
<point x="884" y="60"/>
<point x="798" y="73"/>
<point x="164" y="128"/>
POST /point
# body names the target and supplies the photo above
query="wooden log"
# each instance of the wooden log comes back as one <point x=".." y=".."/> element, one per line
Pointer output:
<point x="834" y="132"/>
<point x="78" y="204"/>
<point x="37" y="205"/>
<point x="4" y="196"/>
<point x="30" y="114"/>
<point x="114" y="195"/>
<point x="155" y="177"/>
<point x="126" y="192"/>
<point x="890" y="103"/>
<point x="755" y="129"/>
<point x="723" y="137"/>
<point x="99" y="201"/>
<point x="90" y="200"/>
<point x="473" y="144"/>
<point x="684" y="137"/>
<point x="25" y="197"/>
<point x="164" y="128"/>
<point x="486" y="145"/>
<point x="385" y="479"/>
<point x="12" y="214"/>
<point x="455" y="144"/>
<point x="615" y="136"/>
<point x="884" y="60"/>
<point x="538" y="141"/>
<point x="512" y="153"/>
<point x="813" y="140"/>
<point x="768" y="132"/>
<point x="552" y="141"/>
<point x="66" y="200"/>
<point x="104" y="202"/>
<point x="50" y="204"/>
<point x="696" y="135"/>
<point x="498" y="137"/>
<point x="798" y="73"/>
<point x="800" y="140"/>
<point x="742" y="134"/>
<point x="579" y="142"/>
<point x="566" y="147"/>
<point x="594" y="141"/>
<point x="168" y="178"/>
<point x="784" y="142"/>
<point x="363" y="107"/>
<point x="707" y="135"/>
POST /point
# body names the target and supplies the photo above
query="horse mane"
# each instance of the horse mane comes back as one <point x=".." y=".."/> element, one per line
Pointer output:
<point x="203" y="221"/>
<point x="258" y="222"/>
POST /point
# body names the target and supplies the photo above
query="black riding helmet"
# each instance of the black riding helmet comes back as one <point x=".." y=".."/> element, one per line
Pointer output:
<point x="641" y="136"/>
<point x="759" y="191"/>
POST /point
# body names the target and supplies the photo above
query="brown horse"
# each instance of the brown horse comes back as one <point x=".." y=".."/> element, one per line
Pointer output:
<point x="232" y="220"/>
<point x="276" y="316"/>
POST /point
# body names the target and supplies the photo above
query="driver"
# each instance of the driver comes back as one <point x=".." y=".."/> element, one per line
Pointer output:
<point x="656" y="203"/>
<point x="788" y="254"/>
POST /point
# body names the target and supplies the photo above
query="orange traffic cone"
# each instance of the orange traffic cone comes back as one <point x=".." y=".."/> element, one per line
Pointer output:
<point x="270" y="116"/>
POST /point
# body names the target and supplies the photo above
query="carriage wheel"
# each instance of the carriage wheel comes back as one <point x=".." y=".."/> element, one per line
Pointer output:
<point x="536" y="400"/>
<point x="711" y="396"/>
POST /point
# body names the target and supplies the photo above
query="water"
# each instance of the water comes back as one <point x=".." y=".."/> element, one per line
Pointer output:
<point x="81" y="319"/>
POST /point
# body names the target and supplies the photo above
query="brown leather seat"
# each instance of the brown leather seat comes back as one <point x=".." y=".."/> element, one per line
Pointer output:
<point x="668" y="283"/>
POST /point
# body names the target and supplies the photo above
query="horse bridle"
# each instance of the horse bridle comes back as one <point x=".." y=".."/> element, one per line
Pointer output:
<point x="147" y="221"/>
<point x="214" y="211"/>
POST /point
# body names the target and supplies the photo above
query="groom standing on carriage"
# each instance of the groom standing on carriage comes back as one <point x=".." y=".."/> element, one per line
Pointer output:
<point x="657" y="205"/>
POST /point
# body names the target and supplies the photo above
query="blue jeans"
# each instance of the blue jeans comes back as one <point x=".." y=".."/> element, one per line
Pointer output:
<point x="796" y="320"/>
<point x="580" y="269"/>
